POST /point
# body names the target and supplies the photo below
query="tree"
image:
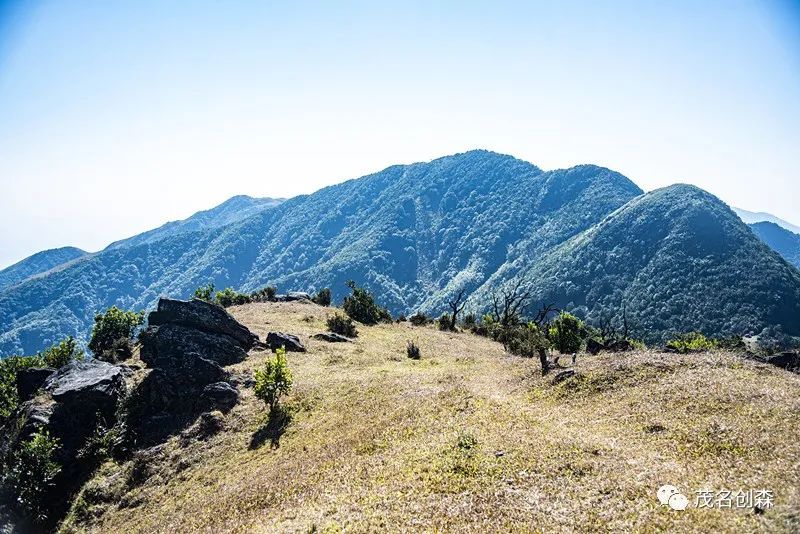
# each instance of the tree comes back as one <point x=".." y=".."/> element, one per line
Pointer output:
<point x="323" y="297"/>
<point x="61" y="354"/>
<point x="508" y="303"/>
<point x="566" y="333"/>
<point x="273" y="380"/>
<point x="205" y="293"/>
<point x="112" y="333"/>
<point x="360" y="305"/>
<point x="457" y="306"/>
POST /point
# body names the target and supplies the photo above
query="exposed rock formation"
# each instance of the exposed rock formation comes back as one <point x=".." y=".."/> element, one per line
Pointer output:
<point x="331" y="337"/>
<point x="288" y="341"/>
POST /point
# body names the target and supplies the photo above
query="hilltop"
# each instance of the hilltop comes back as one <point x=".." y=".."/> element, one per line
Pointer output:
<point x="38" y="263"/>
<point x="468" y="438"/>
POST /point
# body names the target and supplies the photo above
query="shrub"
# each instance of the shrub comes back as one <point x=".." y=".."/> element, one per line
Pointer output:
<point x="445" y="322"/>
<point x="112" y="333"/>
<point x="566" y="333"/>
<point x="273" y="380"/>
<point x="419" y="319"/>
<point x="63" y="353"/>
<point x="402" y="318"/>
<point x="360" y="305"/>
<point x="412" y="350"/>
<point x="340" y="324"/>
<point x="691" y="342"/>
<point x="31" y="473"/>
<point x="8" y="381"/>
<point x="323" y="297"/>
<point x="265" y="294"/>
<point x="229" y="297"/>
<point x="205" y="293"/>
<point x="470" y="320"/>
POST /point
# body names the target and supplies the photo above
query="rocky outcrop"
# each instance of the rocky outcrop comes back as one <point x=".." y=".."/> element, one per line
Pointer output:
<point x="201" y="316"/>
<point x="221" y="396"/>
<point x="291" y="343"/>
<point x="293" y="296"/>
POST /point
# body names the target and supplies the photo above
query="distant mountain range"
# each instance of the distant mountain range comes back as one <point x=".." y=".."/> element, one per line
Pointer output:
<point x="38" y="263"/>
<point x="586" y="239"/>
<point x="751" y="217"/>
<point x="786" y="243"/>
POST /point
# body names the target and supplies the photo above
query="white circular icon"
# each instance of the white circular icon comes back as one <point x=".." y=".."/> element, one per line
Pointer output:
<point x="678" y="501"/>
<point x="665" y="492"/>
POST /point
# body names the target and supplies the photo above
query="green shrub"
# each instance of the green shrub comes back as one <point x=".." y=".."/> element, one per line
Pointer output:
<point x="692" y="342"/>
<point x="60" y="355"/>
<point x="31" y="472"/>
<point x="360" y="305"/>
<point x="265" y="294"/>
<point x="340" y="324"/>
<point x="445" y="322"/>
<point x="113" y="332"/>
<point x="205" y="293"/>
<point x="412" y="350"/>
<point x="229" y="297"/>
<point x="419" y="319"/>
<point x="470" y="320"/>
<point x="323" y="297"/>
<point x="526" y="340"/>
<point x="566" y="333"/>
<point x="273" y="380"/>
<point x="8" y="381"/>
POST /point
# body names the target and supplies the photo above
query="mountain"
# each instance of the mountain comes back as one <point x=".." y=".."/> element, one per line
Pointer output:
<point x="37" y="264"/>
<point x="232" y="210"/>
<point x="784" y="242"/>
<point x="751" y="217"/>
<point x="679" y="260"/>
<point x="415" y="234"/>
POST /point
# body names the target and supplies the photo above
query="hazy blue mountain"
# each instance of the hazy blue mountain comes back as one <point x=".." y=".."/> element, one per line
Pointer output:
<point x="37" y="264"/>
<point x="414" y="234"/>
<point x="784" y="242"/>
<point x="232" y="210"/>
<point x="680" y="260"/>
<point x="751" y="217"/>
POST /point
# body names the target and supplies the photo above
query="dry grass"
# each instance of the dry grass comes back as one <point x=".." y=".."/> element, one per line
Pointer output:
<point x="470" y="439"/>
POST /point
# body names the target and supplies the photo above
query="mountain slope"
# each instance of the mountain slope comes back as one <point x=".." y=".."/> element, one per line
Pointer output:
<point x="751" y="217"/>
<point x="232" y="210"/>
<point x="411" y="233"/>
<point x="37" y="264"/>
<point x="784" y="242"/>
<point x="680" y="260"/>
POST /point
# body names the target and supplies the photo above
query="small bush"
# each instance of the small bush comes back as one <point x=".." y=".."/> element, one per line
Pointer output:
<point x="113" y="330"/>
<point x="402" y="318"/>
<point x="229" y="297"/>
<point x="566" y="333"/>
<point x="412" y="350"/>
<point x="342" y="325"/>
<point x="470" y="320"/>
<point x="419" y="319"/>
<point x="360" y="305"/>
<point x="60" y="355"/>
<point x="323" y="297"/>
<point x="205" y="293"/>
<point x="31" y="472"/>
<point x="265" y="294"/>
<point x="273" y="380"/>
<point x="526" y="340"/>
<point x="691" y="342"/>
<point x="445" y="322"/>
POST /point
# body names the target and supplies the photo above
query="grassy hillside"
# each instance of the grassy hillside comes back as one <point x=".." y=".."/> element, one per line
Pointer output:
<point x="467" y="439"/>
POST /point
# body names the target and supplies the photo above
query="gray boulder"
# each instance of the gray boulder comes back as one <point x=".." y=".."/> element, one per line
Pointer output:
<point x="163" y="344"/>
<point x="331" y="337"/>
<point x="88" y="381"/>
<point x="288" y="341"/>
<point x="221" y="395"/>
<point x="203" y="316"/>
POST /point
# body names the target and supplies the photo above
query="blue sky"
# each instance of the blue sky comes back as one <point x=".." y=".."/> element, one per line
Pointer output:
<point x="118" y="116"/>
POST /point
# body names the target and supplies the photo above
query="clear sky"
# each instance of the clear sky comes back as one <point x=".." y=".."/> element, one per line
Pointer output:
<point x="118" y="116"/>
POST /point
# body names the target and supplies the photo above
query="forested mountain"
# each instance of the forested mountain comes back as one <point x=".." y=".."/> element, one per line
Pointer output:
<point x="784" y="242"/>
<point x="415" y="234"/>
<point x="37" y="264"/>
<point x="232" y="210"/>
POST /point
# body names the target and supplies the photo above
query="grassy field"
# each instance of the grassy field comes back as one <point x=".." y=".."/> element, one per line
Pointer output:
<point x="468" y="439"/>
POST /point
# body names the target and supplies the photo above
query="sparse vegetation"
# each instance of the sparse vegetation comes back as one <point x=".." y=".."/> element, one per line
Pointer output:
<point x="265" y="294"/>
<point x="229" y="297"/>
<point x="691" y="342"/>
<point x="342" y="325"/>
<point x="360" y="305"/>
<point x="323" y="297"/>
<point x="419" y="319"/>
<point x="273" y="380"/>
<point x="61" y="354"/>
<point x="30" y="473"/>
<point x="205" y="293"/>
<point x="112" y="335"/>
<point x="445" y="322"/>
<point x="412" y="350"/>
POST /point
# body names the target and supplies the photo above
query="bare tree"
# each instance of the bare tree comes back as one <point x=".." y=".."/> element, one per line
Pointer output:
<point x="508" y="302"/>
<point x="457" y="306"/>
<point x="542" y="314"/>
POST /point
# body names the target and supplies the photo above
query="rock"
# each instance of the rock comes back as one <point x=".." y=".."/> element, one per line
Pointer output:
<point x="289" y="342"/>
<point x="221" y="395"/>
<point x="786" y="360"/>
<point x="331" y="337"/>
<point x="619" y="345"/>
<point x="168" y="342"/>
<point x="561" y="376"/>
<point x="92" y="383"/>
<point x="297" y="295"/>
<point x="31" y="380"/>
<point x="203" y="316"/>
